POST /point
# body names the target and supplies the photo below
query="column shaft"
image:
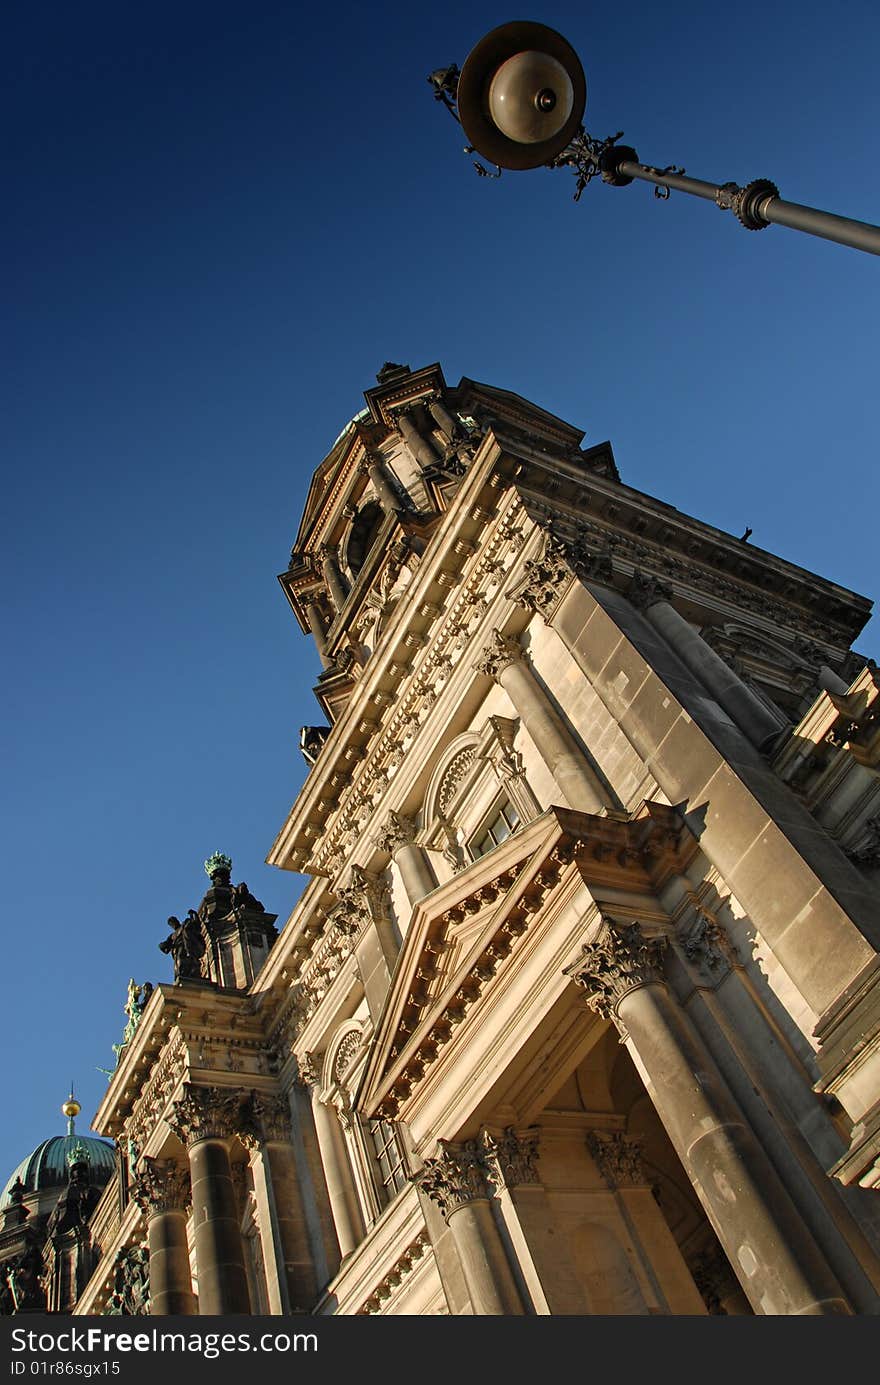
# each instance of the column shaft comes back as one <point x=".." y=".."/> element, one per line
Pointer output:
<point x="483" y="1259"/>
<point x="758" y="1226"/>
<point x="170" y="1279"/>
<point x="391" y="503"/>
<point x="556" y="745"/>
<point x="747" y="711"/>
<point x="343" y="1201"/>
<point x="316" y="625"/>
<point x="415" y="871"/>
<point x="219" y="1256"/>
<point x="335" y="584"/>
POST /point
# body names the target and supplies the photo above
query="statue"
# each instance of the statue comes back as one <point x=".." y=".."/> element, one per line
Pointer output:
<point x="187" y="947"/>
<point x="243" y="899"/>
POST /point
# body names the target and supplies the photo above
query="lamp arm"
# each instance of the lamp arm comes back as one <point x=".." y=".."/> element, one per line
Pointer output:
<point x="755" y="206"/>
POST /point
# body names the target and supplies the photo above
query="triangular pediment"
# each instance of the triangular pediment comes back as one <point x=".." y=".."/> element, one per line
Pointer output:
<point x="465" y="931"/>
<point x="461" y="935"/>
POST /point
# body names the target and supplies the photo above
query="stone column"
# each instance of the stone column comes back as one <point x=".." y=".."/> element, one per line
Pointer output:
<point x="746" y="710"/>
<point x="204" y="1119"/>
<point x="333" y="577"/>
<point x="161" y="1189"/>
<point x="420" y="445"/>
<point x="449" y="424"/>
<point x="398" y="838"/>
<point x="316" y="625"/>
<point x="456" y="1181"/>
<point x="374" y="467"/>
<point x="265" y="1133"/>
<point x="337" y="1175"/>
<point x="504" y="661"/>
<point x="762" y="1234"/>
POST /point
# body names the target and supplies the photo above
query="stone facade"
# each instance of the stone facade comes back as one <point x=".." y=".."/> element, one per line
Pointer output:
<point x="578" y="1012"/>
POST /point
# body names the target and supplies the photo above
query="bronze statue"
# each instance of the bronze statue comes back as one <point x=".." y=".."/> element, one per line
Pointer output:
<point x="186" y="945"/>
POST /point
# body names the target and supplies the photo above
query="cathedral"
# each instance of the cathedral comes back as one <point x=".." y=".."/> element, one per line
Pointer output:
<point x="579" y="1010"/>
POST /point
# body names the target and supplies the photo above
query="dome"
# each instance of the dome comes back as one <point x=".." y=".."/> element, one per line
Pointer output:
<point x="47" y="1167"/>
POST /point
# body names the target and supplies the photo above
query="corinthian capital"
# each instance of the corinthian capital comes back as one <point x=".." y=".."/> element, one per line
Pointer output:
<point x="161" y="1185"/>
<point x="456" y="1177"/>
<point x="511" y="1157"/>
<point x="498" y="655"/>
<point x="618" y="1158"/>
<point x="397" y="831"/>
<point x="264" y="1119"/>
<point x="620" y="961"/>
<point x="545" y="580"/>
<point x="645" y="592"/>
<point x="206" y="1113"/>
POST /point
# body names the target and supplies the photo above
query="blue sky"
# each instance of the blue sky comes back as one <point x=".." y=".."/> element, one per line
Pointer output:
<point x="221" y="220"/>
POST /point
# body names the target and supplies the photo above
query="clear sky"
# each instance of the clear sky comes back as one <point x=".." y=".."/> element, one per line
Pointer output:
<point x="221" y="219"/>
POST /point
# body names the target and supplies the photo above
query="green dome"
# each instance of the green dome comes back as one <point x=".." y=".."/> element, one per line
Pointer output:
<point x="47" y="1167"/>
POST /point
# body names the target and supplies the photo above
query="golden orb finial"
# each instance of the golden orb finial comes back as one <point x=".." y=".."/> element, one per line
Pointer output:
<point x="71" y="1109"/>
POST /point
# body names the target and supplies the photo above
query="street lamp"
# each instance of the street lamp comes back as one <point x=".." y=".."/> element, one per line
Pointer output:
<point x="520" y="98"/>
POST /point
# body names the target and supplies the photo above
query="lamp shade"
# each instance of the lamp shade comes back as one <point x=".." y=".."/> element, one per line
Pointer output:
<point x="521" y="95"/>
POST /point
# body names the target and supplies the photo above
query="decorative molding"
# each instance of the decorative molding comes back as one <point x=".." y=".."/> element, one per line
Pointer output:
<point x="545" y="580"/>
<point x="394" y="1277"/>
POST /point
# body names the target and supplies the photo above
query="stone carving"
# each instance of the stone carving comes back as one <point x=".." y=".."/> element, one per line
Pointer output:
<point x="397" y="831"/>
<point x="131" y="1283"/>
<point x="205" y="1113"/>
<point x="868" y="854"/>
<point x="620" y="961"/>
<point x="456" y="771"/>
<point x="511" y="1157"/>
<point x="309" y="1069"/>
<point x="264" y="1119"/>
<point x="645" y="591"/>
<point x="545" y="580"/>
<point x="348" y="1047"/>
<point x="618" y="1158"/>
<point x="456" y="1177"/>
<point x="503" y="651"/>
<point x="160" y="1185"/>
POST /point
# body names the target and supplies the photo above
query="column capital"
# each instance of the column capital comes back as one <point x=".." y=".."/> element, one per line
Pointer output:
<point x="618" y="1158"/>
<point x="545" y="580"/>
<point x="456" y="1177"/>
<point x="645" y="591"/>
<point x="308" y="1069"/>
<point x="510" y="1157"/>
<point x="161" y="1185"/>
<point x="264" y="1119"/>
<point x="620" y="961"/>
<point x="206" y="1113"/>
<point x="499" y="654"/>
<point x="396" y="831"/>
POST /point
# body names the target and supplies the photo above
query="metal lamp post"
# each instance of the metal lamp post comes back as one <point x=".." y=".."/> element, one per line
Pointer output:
<point x="520" y="99"/>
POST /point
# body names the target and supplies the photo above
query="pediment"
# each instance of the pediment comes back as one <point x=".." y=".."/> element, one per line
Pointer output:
<point x="465" y="931"/>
